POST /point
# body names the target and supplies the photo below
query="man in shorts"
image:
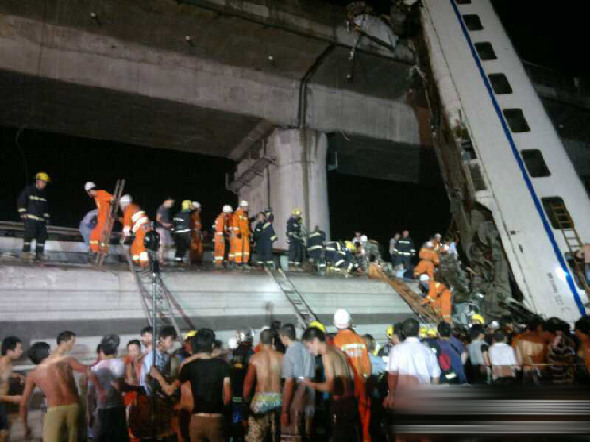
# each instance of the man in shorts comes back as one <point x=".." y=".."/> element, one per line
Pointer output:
<point x="54" y="376"/>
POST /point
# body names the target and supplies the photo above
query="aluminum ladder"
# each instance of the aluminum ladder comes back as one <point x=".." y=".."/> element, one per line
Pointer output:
<point x="304" y="313"/>
<point x="112" y="216"/>
<point x="565" y="224"/>
<point x="167" y="307"/>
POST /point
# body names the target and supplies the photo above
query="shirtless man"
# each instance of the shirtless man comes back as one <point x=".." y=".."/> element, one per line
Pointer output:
<point x="339" y="384"/>
<point x="54" y="376"/>
<point x="11" y="351"/>
<point x="264" y="373"/>
<point x="65" y="342"/>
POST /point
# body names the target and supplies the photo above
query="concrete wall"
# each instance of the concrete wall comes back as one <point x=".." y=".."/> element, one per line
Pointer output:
<point x="373" y="305"/>
<point x="39" y="302"/>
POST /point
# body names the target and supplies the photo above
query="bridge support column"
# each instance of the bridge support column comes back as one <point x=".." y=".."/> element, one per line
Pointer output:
<point x="296" y="179"/>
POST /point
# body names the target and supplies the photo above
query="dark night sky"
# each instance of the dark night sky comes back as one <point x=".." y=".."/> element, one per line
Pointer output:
<point x="545" y="34"/>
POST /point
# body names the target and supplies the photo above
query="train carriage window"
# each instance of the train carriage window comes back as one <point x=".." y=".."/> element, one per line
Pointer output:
<point x="485" y="51"/>
<point x="472" y="22"/>
<point x="500" y="84"/>
<point x="463" y="2"/>
<point x="557" y="213"/>
<point x="516" y="120"/>
<point x="535" y="163"/>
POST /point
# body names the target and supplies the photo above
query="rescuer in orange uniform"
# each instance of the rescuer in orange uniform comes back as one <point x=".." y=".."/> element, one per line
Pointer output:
<point x="221" y="240"/>
<point x="429" y="259"/>
<point x="438" y="296"/>
<point x="196" y="251"/>
<point x="103" y="204"/>
<point x="240" y="229"/>
<point x="135" y="222"/>
<point x="355" y="348"/>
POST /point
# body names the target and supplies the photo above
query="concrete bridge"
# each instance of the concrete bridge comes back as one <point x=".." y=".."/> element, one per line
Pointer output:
<point x="129" y="74"/>
<point x="222" y="78"/>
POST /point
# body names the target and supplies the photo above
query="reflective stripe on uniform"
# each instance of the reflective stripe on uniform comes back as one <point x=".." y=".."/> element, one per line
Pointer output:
<point x="33" y="217"/>
<point x="139" y="224"/>
<point x="219" y="258"/>
<point x="137" y="215"/>
<point x="143" y="256"/>
<point x="36" y="198"/>
<point x="314" y="248"/>
<point x="353" y="346"/>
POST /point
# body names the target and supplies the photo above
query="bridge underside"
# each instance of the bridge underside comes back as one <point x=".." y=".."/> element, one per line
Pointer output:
<point x="106" y="114"/>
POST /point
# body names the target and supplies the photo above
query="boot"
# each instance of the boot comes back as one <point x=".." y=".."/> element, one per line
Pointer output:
<point x="40" y="256"/>
<point x="27" y="257"/>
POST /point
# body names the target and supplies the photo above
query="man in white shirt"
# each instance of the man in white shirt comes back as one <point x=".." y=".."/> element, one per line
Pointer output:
<point x="502" y="359"/>
<point x="110" y="371"/>
<point x="411" y="363"/>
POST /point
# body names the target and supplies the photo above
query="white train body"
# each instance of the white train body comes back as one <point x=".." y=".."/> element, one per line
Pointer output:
<point x="462" y="60"/>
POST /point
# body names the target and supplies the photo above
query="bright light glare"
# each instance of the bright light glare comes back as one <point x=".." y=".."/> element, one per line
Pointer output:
<point x="561" y="274"/>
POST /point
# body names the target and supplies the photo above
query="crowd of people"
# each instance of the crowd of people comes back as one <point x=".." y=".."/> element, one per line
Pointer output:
<point x="324" y="386"/>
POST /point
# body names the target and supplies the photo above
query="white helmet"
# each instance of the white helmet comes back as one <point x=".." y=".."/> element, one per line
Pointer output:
<point x="89" y="186"/>
<point x="429" y="245"/>
<point x="341" y="319"/>
<point x="438" y="235"/>
<point x="227" y="209"/>
<point x="244" y="203"/>
<point x="445" y="248"/>
<point x="126" y="200"/>
<point x="364" y="238"/>
<point x="196" y="205"/>
<point x="424" y="278"/>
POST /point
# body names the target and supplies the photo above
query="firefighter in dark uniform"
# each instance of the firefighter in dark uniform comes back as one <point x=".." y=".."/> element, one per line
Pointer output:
<point x="406" y="251"/>
<point x="264" y="236"/>
<point x="295" y="238"/>
<point x="315" y="248"/>
<point x="181" y="226"/>
<point x="351" y="263"/>
<point x="33" y="209"/>
<point x="335" y="255"/>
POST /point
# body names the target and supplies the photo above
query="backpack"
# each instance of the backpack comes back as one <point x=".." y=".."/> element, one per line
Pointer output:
<point x="447" y="373"/>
